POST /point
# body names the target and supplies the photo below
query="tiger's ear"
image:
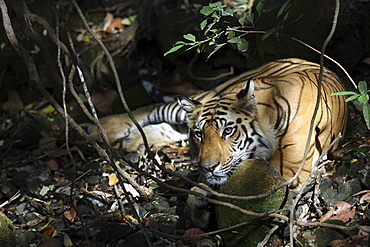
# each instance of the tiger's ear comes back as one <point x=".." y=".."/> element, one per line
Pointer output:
<point x="187" y="104"/>
<point x="246" y="99"/>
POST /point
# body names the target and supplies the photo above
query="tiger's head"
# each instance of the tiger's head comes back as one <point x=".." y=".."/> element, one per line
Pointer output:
<point x="226" y="130"/>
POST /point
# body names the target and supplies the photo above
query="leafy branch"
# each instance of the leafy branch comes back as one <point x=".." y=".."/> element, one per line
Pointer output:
<point x="211" y="26"/>
<point x="363" y="97"/>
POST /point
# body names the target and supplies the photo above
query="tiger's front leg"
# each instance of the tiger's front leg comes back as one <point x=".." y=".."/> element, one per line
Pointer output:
<point x="201" y="211"/>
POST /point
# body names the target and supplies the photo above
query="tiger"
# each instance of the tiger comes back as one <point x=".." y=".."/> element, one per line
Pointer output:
<point x="264" y="113"/>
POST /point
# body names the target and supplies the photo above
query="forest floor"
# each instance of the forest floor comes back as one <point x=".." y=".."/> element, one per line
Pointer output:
<point x="56" y="196"/>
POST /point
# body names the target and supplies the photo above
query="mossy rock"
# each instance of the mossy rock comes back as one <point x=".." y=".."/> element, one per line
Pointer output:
<point x="251" y="177"/>
<point x="7" y="236"/>
<point x="319" y="236"/>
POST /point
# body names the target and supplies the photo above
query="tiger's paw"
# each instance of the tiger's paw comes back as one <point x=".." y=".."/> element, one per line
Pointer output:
<point x="157" y="135"/>
<point x="201" y="210"/>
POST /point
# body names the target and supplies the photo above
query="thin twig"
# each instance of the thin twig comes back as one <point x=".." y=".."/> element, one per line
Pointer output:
<point x="319" y="88"/>
<point x="95" y="118"/>
<point x="117" y="168"/>
<point x="268" y="236"/>
<point x="14" y="197"/>
<point x="213" y="78"/>
<point x="64" y="93"/>
<point x="115" y="73"/>
<point x="302" y="43"/>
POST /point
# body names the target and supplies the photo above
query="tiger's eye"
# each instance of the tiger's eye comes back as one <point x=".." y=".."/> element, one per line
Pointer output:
<point x="198" y="134"/>
<point x="228" y="130"/>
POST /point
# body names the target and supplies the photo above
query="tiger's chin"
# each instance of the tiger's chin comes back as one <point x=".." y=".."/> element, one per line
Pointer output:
<point x="215" y="180"/>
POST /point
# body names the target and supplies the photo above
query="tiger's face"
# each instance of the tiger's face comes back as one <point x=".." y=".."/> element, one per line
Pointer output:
<point x="225" y="131"/>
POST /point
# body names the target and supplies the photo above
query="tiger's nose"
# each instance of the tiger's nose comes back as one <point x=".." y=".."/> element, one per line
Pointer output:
<point x="210" y="167"/>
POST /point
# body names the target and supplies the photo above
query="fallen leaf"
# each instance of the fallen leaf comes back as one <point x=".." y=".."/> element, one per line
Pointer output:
<point x="130" y="189"/>
<point x="51" y="242"/>
<point x="193" y="232"/>
<point x="47" y="230"/>
<point x="348" y="242"/>
<point x="52" y="164"/>
<point x="113" y="180"/>
<point x="342" y="211"/>
<point x="115" y="26"/>
<point x="125" y="219"/>
<point x="365" y="197"/>
<point x="61" y="182"/>
<point x="67" y="241"/>
<point x="70" y="214"/>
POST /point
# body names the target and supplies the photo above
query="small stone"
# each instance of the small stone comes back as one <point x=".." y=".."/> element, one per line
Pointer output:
<point x="207" y="242"/>
<point x="93" y="180"/>
<point x="364" y="176"/>
<point x="136" y="239"/>
<point x="352" y="186"/>
<point x="19" y="180"/>
<point x="25" y="237"/>
<point x="112" y="231"/>
<point x="159" y="205"/>
<point x="163" y="223"/>
<point x="318" y="237"/>
<point x="133" y="157"/>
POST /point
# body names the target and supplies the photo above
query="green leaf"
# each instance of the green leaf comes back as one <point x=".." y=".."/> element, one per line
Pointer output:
<point x="180" y="42"/>
<point x="299" y="17"/>
<point x="283" y="8"/>
<point x="230" y="35"/>
<point x="363" y="98"/>
<point x="48" y="109"/>
<point x="234" y="40"/>
<point x="243" y="45"/>
<point x="209" y="27"/>
<point x="259" y="6"/>
<point x="242" y="20"/>
<point x="217" y="47"/>
<point x="153" y="185"/>
<point x="206" y="10"/>
<point x="216" y="16"/>
<point x="268" y="33"/>
<point x="353" y="97"/>
<point x="173" y="49"/>
<point x="286" y="16"/>
<point x="216" y="6"/>
<point x="250" y="18"/>
<point x="189" y="37"/>
<point x="344" y="93"/>
<point x="366" y="113"/>
<point x="203" y="24"/>
<point x="129" y="20"/>
<point x="228" y="12"/>
<point x="271" y="7"/>
<point x="362" y="87"/>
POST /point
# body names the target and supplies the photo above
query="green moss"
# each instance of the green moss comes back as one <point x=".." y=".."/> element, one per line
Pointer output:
<point x="252" y="177"/>
<point x="319" y="236"/>
<point x="7" y="236"/>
